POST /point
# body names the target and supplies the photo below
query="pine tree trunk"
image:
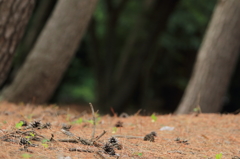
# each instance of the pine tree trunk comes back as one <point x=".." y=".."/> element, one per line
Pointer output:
<point x="51" y="55"/>
<point x="14" y="16"/>
<point x="216" y="60"/>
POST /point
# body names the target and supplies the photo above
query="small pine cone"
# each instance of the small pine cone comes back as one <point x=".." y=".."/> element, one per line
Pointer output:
<point x="35" y="124"/>
<point x="113" y="140"/>
<point x="149" y="137"/>
<point x="108" y="149"/>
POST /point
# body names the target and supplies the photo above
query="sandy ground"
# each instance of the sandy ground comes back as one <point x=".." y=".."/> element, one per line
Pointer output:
<point x="206" y="136"/>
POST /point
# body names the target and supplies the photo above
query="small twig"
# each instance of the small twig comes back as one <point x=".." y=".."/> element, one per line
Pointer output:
<point x="112" y="110"/>
<point x="68" y="133"/>
<point x="94" y="122"/>
<point x="76" y="138"/>
<point x="97" y="138"/>
<point x="128" y="137"/>
<point x="100" y="155"/>
<point x="81" y="150"/>
<point x="68" y="140"/>
<point x="138" y="112"/>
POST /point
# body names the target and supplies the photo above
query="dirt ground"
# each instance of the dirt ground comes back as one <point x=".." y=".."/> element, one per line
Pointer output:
<point x="206" y="136"/>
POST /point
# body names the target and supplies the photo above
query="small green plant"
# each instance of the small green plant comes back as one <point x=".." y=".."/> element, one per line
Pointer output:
<point x="153" y="117"/>
<point x="140" y="154"/>
<point x="4" y="122"/>
<point x="26" y="155"/>
<point x="197" y="109"/>
<point x="31" y="134"/>
<point x="78" y="121"/>
<point x="45" y="145"/>
<point x="45" y="141"/>
<point x="19" y="125"/>
<point x="218" y="156"/>
<point x="91" y="121"/>
<point x="114" y="130"/>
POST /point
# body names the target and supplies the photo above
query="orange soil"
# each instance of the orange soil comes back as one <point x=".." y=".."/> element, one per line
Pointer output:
<point x="207" y="134"/>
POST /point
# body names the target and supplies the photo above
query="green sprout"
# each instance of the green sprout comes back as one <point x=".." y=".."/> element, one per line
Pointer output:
<point x="45" y="140"/>
<point x="218" y="156"/>
<point x="19" y="125"/>
<point x="91" y="121"/>
<point x="154" y="118"/>
<point x="45" y="145"/>
<point x="114" y="130"/>
<point x="197" y="109"/>
<point x="140" y="154"/>
<point x="78" y="121"/>
<point x="26" y="155"/>
<point x="32" y="134"/>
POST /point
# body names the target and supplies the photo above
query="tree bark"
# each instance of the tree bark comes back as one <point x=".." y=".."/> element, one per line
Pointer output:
<point x="44" y="67"/>
<point x="14" y="16"/>
<point x="215" y="62"/>
<point x="38" y="20"/>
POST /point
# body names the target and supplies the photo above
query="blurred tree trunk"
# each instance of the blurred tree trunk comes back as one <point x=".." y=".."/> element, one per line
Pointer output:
<point x="118" y="78"/>
<point x="215" y="62"/>
<point x="38" y="20"/>
<point x="44" y="67"/>
<point x="14" y="15"/>
<point x="128" y="77"/>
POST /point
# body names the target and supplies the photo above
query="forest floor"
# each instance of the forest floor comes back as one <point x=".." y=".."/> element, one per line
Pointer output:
<point x="38" y="132"/>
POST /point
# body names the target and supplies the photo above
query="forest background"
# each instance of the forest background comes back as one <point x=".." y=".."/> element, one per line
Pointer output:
<point x="133" y="55"/>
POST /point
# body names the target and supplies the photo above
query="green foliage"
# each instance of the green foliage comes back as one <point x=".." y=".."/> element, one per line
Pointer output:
<point x="19" y="125"/>
<point x="218" y="156"/>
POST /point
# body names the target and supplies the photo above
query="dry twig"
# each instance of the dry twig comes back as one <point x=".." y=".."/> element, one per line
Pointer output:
<point x="94" y="122"/>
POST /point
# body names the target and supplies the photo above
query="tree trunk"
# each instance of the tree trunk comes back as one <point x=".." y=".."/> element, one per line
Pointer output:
<point x="44" y="67"/>
<point x="215" y="62"/>
<point x="38" y="20"/>
<point x="127" y="77"/>
<point x="14" y="16"/>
